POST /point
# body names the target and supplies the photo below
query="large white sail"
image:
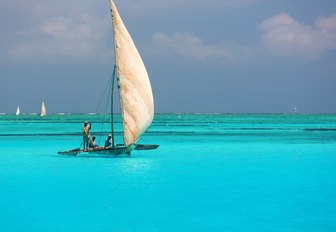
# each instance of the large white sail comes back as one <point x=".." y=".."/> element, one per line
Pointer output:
<point x="136" y="97"/>
<point x="43" y="110"/>
<point x="17" y="111"/>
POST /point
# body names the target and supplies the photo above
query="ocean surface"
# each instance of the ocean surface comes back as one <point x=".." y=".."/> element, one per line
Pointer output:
<point x="212" y="172"/>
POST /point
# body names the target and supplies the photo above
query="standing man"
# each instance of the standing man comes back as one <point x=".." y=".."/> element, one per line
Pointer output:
<point x="86" y="134"/>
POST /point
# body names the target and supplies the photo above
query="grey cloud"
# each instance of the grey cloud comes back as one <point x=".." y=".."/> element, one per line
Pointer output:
<point x="192" y="47"/>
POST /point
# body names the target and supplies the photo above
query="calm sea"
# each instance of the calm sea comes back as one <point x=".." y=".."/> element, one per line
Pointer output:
<point x="225" y="172"/>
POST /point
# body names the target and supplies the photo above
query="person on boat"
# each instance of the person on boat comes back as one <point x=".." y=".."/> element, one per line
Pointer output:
<point x="92" y="142"/>
<point x="108" y="141"/>
<point x="86" y="134"/>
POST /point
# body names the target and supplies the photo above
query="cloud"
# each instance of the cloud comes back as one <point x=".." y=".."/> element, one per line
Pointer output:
<point x="192" y="47"/>
<point x="72" y="37"/>
<point x="283" y="35"/>
<point x="55" y="31"/>
<point x="142" y="6"/>
<point x="196" y="3"/>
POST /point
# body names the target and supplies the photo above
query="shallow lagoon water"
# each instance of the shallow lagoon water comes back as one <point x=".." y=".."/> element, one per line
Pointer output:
<point x="211" y="172"/>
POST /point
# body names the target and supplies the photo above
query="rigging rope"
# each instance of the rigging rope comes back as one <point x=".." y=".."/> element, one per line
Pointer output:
<point x="99" y="105"/>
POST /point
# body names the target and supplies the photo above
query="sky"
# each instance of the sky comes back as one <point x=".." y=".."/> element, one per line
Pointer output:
<point x="202" y="56"/>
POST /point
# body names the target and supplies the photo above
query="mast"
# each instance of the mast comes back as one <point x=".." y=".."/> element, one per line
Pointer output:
<point x="116" y="66"/>
<point x="112" y="93"/>
<point x="113" y="75"/>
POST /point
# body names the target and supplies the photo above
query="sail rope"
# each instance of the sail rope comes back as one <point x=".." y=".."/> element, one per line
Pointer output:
<point x="105" y="112"/>
<point x="106" y="107"/>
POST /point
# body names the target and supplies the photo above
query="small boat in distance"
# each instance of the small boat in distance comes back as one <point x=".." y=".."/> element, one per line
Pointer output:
<point x="43" y="110"/>
<point x="17" y="111"/>
<point x="135" y="94"/>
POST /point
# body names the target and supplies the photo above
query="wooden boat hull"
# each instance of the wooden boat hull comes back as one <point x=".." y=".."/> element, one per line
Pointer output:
<point x="114" y="151"/>
<point x="117" y="150"/>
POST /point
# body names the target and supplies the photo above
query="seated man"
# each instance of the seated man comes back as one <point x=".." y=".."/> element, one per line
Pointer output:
<point x="92" y="142"/>
<point x="108" y="141"/>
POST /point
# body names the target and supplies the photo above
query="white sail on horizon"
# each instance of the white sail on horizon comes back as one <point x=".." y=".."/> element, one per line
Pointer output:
<point x="136" y="97"/>
<point x="43" y="109"/>
<point x="17" y="111"/>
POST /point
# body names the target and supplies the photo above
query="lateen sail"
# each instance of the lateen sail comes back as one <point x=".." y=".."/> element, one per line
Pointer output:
<point x="43" y="109"/>
<point x="136" y="97"/>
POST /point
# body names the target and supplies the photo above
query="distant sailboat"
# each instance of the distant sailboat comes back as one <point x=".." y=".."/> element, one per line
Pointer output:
<point x="135" y="93"/>
<point x="17" y="111"/>
<point x="43" y="110"/>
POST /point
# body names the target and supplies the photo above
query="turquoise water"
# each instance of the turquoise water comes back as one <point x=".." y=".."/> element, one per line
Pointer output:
<point x="210" y="173"/>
